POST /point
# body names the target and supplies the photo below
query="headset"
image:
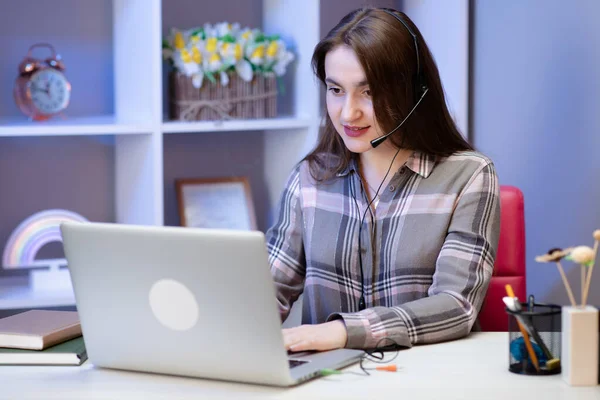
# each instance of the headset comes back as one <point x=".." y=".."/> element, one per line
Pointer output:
<point x="420" y="90"/>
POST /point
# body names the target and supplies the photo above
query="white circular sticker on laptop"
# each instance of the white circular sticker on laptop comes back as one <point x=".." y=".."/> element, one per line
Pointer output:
<point x="173" y="305"/>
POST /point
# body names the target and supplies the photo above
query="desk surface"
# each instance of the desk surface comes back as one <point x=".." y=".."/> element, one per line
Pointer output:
<point x="472" y="368"/>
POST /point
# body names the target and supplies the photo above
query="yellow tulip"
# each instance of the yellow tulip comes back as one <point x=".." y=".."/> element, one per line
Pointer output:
<point x="259" y="52"/>
<point x="196" y="55"/>
<point x="211" y="44"/>
<point x="185" y="56"/>
<point x="179" y="41"/>
<point x="272" y="49"/>
<point x="237" y="51"/>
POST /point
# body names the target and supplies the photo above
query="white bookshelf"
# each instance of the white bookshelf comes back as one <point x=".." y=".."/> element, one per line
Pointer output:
<point x="138" y="121"/>
<point x="21" y="295"/>
<point x="139" y="127"/>
<point x="267" y="124"/>
<point x="78" y="126"/>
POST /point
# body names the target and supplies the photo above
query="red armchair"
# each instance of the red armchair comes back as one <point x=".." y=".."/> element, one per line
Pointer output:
<point x="510" y="261"/>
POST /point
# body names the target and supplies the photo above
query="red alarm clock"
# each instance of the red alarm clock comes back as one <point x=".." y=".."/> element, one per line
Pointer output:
<point x="42" y="89"/>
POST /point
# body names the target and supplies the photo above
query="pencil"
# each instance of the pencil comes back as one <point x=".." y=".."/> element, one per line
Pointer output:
<point x="532" y="356"/>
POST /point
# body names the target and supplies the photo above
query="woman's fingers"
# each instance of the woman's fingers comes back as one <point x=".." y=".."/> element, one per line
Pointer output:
<point x="330" y="335"/>
<point x="289" y="338"/>
<point x="297" y="339"/>
<point x="302" y="345"/>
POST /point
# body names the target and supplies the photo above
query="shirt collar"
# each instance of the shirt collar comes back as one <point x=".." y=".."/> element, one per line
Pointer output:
<point x="351" y="167"/>
<point x="421" y="163"/>
<point x="418" y="162"/>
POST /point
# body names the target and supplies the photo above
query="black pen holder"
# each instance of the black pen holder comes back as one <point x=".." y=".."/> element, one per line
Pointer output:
<point x="536" y="328"/>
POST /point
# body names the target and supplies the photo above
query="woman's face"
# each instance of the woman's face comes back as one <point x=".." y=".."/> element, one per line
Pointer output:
<point x="349" y="102"/>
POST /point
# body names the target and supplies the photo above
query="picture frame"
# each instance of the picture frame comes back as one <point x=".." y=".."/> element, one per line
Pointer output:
<point x="216" y="203"/>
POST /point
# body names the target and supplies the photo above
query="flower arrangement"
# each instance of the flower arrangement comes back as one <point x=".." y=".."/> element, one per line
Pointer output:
<point x="216" y="51"/>
<point x="582" y="255"/>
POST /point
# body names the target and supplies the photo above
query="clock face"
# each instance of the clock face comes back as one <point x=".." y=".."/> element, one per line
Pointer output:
<point x="49" y="91"/>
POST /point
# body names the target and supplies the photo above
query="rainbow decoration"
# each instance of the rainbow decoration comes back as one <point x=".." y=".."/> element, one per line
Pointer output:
<point x="34" y="233"/>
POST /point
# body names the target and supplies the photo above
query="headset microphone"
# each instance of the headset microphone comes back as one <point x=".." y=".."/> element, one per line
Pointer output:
<point x="381" y="139"/>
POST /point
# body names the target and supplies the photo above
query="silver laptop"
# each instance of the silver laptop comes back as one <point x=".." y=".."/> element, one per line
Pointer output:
<point x="184" y="301"/>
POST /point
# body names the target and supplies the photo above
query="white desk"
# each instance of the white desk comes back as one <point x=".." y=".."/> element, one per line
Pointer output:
<point x="471" y="368"/>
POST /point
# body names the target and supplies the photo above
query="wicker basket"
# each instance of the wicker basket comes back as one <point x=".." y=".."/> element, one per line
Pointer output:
<point x="238" y="100"/>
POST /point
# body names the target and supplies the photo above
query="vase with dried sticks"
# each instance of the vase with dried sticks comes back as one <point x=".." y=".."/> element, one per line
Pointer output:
<point x="579" y="322"/>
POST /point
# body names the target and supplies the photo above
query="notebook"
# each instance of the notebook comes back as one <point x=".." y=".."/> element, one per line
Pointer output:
<point x="184" y="301"/>
<point x="38" y="329"/>
<point x="71" y="352"/>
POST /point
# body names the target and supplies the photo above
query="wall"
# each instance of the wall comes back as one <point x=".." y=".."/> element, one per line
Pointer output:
<point x="536" y="96"/>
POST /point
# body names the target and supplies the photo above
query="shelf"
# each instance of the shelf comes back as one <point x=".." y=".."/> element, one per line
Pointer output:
<point x="106" y="125"/>
<point x="235" y="125"/>
<point x="21" y="296"/>
<point x="78" y="126"/>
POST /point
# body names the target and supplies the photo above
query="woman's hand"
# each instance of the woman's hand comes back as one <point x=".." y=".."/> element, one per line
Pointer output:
<point x="328" y="336"/>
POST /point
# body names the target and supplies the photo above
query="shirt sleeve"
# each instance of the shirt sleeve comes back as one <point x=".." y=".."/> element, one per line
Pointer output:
<point x="285" y="247"/>
<point x="464" y="268"/>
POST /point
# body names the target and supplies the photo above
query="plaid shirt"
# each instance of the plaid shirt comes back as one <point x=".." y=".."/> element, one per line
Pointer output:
<point x="428" y="252"/>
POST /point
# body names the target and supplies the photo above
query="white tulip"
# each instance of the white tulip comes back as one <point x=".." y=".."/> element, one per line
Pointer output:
<point x="224" y="78"/>
<point x="281" y="64"/>
<point x="244" y="70"/>
<point x="197" y="80"/>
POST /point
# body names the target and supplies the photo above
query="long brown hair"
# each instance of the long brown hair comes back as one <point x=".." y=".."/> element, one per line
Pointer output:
<point x="386" y="52"/>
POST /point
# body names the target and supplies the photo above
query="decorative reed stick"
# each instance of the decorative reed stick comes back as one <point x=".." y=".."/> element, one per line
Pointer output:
<point x="588" y="281"/>
<point x="555" y="255"/>
<point x="566" y="283"/>
<point x="583" y="273"/>
<point x="584" y="256"/>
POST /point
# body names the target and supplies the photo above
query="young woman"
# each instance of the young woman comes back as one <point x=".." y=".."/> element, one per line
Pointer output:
<point x="390" y="225"/>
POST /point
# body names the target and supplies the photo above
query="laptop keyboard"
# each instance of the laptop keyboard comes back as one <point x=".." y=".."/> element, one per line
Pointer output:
<point x="295" y="363"/>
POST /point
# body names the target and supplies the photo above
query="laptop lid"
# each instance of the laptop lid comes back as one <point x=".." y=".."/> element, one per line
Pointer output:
<point x="182" y="301"/>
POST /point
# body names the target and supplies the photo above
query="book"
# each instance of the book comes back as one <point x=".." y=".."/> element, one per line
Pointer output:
<point x="71" y="352"/>
<point x="38" y="329"/>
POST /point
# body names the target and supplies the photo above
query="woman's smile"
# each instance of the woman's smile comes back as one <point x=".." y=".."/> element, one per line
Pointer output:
<point x="355" y="131"/>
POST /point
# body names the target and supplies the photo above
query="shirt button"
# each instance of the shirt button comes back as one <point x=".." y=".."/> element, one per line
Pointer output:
<point x="402" y="170"/>
<point x="392" y="188"/>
